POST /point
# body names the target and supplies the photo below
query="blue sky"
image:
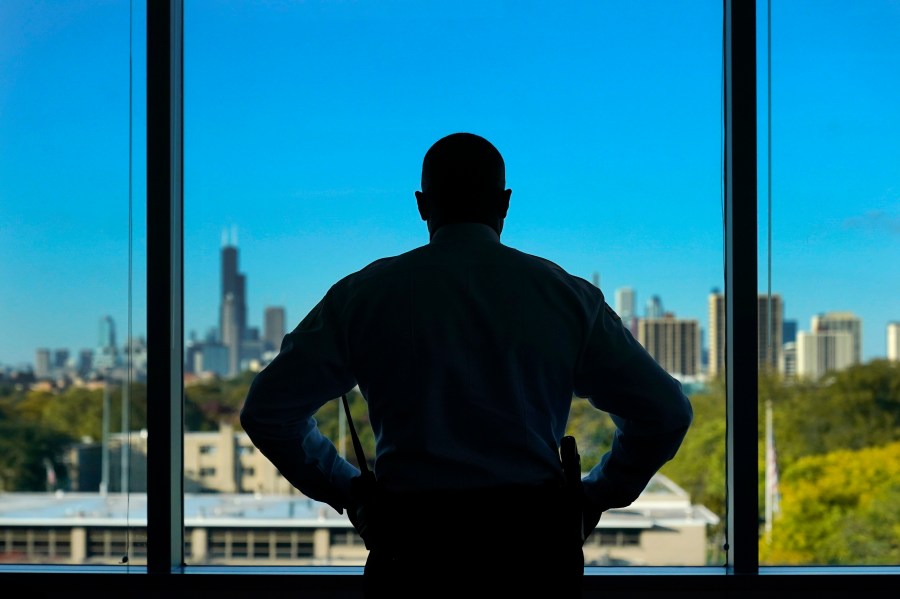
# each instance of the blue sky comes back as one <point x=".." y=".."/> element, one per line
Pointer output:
<point x="306" y="122"/>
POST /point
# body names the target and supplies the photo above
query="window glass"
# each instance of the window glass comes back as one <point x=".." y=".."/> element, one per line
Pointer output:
<point x="305" y="128"/>
<point x="72" y="308"/>
<point x="830" y="399"/>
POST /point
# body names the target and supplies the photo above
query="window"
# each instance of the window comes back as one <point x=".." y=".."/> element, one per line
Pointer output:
<point x="743" y="523"/>
<point x="73" y="347"/>
<point x="355" y="94"/>
<point x="830" y="217"/>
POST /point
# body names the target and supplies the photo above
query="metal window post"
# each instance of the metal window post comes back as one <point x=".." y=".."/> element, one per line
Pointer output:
<point x="741" y="285"/>
<point x="165" y="497"/>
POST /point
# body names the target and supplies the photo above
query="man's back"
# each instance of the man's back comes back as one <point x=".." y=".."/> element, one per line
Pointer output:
<point x="466" y="351"/>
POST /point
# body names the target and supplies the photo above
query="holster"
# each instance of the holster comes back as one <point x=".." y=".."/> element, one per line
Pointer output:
<point x="368" y="511"/>
<point x="574" y="487"/>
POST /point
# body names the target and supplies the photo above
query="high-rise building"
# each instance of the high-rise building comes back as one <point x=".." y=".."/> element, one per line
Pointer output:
<point x="595" y="279"/>
<point x="106" y="356"/>
<point x="841" y="322"/>
<point x="716" y="357"/>
<point x="107" y="332"/>
<point x="42" y="363"/>
<point x="273" y="327"/>
<point x="770" y="323"/>
<point x="212" y="358"/>
<point x="787" y="363"/>
<point x="893" y="341"/>
<point x="789" y="331"/>
<point x="654" y="307"/>
<point x="233" y="305"/>
<point x="85" y="362"/>
<point x="626" y="303"/>
<point x="818" y="353"/>
<point x="674" y="343"/>
<point x="768" y="338"/>
<point x="60" y="359"/>
<point x="231" y="333"/>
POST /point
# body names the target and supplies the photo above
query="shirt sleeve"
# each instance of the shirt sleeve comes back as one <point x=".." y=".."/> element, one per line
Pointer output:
<point x="651" y="412"/>
<point x="310" y="369"/>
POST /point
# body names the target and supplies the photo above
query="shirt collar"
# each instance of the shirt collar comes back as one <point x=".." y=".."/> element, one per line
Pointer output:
<point x="455" y="232"/>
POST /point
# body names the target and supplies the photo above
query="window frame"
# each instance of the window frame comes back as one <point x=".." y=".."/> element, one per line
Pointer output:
<point x="166" y="567"/>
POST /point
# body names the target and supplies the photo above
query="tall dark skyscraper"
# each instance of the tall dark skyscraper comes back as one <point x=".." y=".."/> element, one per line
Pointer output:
<point x="232" y="302"/>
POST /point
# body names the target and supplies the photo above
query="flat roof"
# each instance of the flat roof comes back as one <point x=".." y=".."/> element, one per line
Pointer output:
<point x="662" y="504"/>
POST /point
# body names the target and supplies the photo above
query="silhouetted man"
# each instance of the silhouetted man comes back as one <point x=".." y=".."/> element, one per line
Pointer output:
<point x="468" y="353"/>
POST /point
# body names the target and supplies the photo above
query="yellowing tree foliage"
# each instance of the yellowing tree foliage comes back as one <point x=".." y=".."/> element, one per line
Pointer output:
<point x="842" y="507"/>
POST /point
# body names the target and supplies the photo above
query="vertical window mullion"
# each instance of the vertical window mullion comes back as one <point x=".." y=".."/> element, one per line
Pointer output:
<point x="741" y="285"/>
<point x="165" y="534"/>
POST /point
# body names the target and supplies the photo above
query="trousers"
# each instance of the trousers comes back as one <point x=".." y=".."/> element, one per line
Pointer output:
<point x="504" y="542"/>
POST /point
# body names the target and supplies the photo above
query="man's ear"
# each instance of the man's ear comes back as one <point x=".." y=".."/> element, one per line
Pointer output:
<point x="424" y="207"/>
<point x="503" y="206"/>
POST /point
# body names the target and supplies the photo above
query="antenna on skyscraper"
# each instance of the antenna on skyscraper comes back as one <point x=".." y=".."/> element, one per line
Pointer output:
<point x="224" y="237"/>
<point x="234" y="235"/>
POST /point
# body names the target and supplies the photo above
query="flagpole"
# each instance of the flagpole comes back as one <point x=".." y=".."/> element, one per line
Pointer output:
<point x="770" y="471"/>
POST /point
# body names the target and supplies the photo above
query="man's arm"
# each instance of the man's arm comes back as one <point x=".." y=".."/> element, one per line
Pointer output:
<point x="650" y="410"/>
<point x="310" y="370"/>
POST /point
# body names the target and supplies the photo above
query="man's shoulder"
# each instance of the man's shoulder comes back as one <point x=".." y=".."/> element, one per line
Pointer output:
<point x="554" y="270"/>
<point x="375" y="271"/>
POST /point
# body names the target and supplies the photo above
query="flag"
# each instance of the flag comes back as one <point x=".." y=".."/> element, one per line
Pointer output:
<point x="773" y="496"/>
<point x="51" y="474"/>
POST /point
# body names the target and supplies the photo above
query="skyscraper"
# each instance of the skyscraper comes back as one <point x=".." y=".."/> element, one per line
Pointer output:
<point x="273" y="328"/>
<point x="716" y="364"/>
<point x="768" y="353"/>
<point x="626" y="302"/>
<point x="106" y="355"/>
<point x="789" y="331"/>
<point x="893" y="341"/>
<point x="821" y="352"/>
<point x="85" y="362"/>
<point x="770" y="325"/>
<point x="42" y="364"/>
<point x="654" y="307"/>
<point x="232" y="306"/>
<point x="841" y="322"/>
<point x="60" y="359"/>
<point x="674" y="343"/>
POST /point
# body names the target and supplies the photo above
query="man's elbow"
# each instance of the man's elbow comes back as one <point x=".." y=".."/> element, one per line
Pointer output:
<point x="687" y="412"/>
<point x="249" y="414"/>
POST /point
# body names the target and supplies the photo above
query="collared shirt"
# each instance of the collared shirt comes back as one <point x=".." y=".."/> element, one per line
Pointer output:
<point x="469" y="354"/>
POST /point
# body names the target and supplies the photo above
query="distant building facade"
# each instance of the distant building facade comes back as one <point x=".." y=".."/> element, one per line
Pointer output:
<point x="626" y="303"/>
<point x="274" y="323"/>
<point x="233" y="302"/>
<point x="106" y="356"/>
<point x="841" y="322"/>
<point x="654" y="307"/>
<point x="893" y="341"/>
<point x="674" y="343"/>
<point x="661" y="528"/>
<point x="42" y="364"/>
<point x="818" y="353"/>
<point x="715" y="364"/>
<point x="769" y="328"/>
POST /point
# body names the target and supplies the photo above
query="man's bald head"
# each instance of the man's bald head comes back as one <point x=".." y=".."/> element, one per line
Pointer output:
<point x="464" y="180"/>
<point x="463" y="162"/>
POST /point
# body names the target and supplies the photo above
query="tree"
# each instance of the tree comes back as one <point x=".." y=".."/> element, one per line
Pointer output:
<point x="593" y="431"/>
<point x="842" y="507"/>
<point x="699" y="465"/>
<point x="26" y="449"/>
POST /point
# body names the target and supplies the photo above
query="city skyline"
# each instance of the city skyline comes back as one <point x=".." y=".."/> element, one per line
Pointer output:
<point x="609" y="119"/>
<point x="685" y="346"/>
